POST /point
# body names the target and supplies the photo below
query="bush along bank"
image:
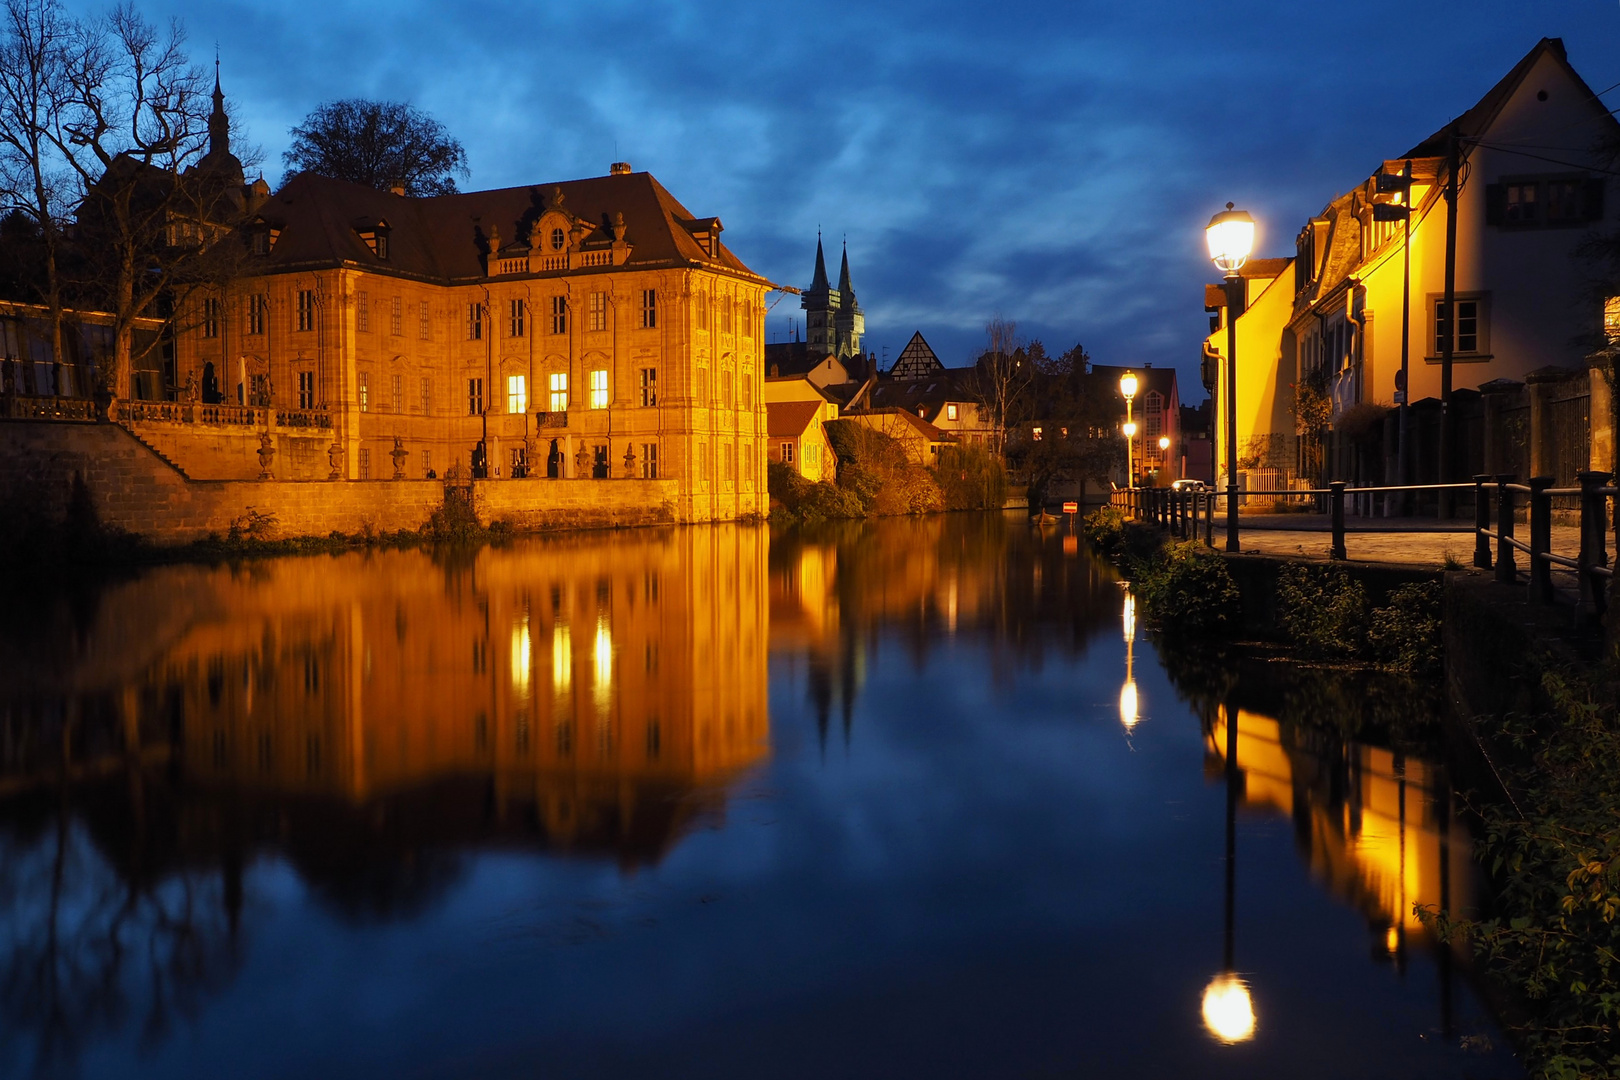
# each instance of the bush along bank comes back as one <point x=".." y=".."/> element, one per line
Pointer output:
<point x="1551" y="853"/>
<point x="877" y="479"/>
<point x="1188" y="591"/>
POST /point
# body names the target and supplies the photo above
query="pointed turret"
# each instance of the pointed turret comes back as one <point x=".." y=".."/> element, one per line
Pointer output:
<point x="219" y="125"/>
<point x="844" y="286"/>
<point x="850" y="322"/>
<point x="820" y="303"/>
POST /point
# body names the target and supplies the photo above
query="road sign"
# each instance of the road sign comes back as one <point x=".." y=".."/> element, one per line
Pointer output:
<point x="1071" y="508"/>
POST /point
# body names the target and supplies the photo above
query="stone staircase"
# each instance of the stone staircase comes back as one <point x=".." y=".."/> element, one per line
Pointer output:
<point x="160" y="455"/>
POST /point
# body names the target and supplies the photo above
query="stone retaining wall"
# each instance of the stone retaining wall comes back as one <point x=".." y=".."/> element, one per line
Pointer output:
<point x="133" y="489"/>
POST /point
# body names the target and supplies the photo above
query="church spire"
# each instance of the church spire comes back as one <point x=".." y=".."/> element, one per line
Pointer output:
<point x="844" y="286"/>
<point x="219" y="126"/>
<point x="819" y="282"/>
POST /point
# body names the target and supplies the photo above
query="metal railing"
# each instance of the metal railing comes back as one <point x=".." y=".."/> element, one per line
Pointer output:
<point x="1186" y="514"/>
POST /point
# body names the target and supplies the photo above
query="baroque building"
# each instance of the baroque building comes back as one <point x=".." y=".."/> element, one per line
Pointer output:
<point x="591" y="328"/>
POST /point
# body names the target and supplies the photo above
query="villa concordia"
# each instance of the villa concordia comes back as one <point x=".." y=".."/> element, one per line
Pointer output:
<point x="592" y="329"/>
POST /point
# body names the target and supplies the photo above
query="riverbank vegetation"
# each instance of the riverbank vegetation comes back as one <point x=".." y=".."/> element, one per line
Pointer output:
<point x="877" y="478"/>
<point x="1551" y="853"/>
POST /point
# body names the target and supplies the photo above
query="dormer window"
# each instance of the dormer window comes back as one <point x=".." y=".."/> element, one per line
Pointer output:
<point x="262" y="237"/>
<point x="374" y="233"/>
<point x="558" y="238"/>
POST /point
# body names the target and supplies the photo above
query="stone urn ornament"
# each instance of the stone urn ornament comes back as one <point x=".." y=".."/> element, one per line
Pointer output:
<point x="630" y="462"/>
<point x="334" y="458"/>
<point x="267" y="454"/>
<point x="399" y="454"/>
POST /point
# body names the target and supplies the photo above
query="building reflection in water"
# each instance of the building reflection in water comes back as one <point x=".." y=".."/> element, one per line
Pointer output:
<point x="837" y="591"/>
<point x="369" y="718"/>
<point x="1127" y="693"/>
<point x="1377" y="826"/>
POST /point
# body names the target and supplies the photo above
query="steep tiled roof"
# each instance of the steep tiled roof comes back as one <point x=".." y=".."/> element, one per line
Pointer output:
<point x="444" y="237"/>
<point x="788" y="419"/>
<point x="1479" y="117"/>
<point x="930" y="393"/>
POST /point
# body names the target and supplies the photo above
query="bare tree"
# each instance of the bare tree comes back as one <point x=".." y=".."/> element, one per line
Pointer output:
<point x="1003" y="374"/>
<point x="131" y="125"/>
<point x="32" y="70"/>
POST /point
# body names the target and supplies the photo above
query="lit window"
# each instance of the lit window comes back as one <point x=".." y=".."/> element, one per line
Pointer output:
<point x="517" y="394"/>
<point x="599" y="389"/>
<point x="559" y="391"/>
<point x="950" y="412"/>
<point x="1611" y="319"/>
<point x="1036" y="434"/>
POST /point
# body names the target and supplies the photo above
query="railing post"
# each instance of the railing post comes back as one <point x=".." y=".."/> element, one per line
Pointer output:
<point x="1506" y="570"/>
<point x="1482" y="524"/>
<point x="1336" y="512"/>
<point x="1540" y="539"/>
<point x="1594" y="594"/>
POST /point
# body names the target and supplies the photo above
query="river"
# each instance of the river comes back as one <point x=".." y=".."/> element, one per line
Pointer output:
<point x="904" y="798"/>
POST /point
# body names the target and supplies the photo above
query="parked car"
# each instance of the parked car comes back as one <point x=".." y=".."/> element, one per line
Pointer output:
<point x="1189" y="485"/>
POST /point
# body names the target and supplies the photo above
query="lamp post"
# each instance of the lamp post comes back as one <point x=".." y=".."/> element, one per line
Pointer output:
<point x="1231" y="237"/>
<point x="1164" y="453"/>
<point x="1127" y="388"/>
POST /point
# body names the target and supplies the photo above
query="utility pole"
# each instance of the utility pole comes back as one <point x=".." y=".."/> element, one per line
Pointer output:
<point x="1453" y="164"/>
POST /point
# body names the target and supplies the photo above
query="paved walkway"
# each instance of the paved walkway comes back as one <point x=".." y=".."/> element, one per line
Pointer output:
<point x="1413" y="541"/>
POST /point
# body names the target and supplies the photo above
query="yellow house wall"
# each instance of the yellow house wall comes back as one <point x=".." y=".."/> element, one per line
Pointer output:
<point x="1265" y="374"/>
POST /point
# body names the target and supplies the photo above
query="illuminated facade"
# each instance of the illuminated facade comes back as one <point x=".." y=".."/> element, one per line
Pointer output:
<point x="592" y="328"/>
<point x="1334" y="309"/>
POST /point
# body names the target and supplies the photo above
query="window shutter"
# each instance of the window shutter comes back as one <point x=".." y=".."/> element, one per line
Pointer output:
<point x="1495" y="203"/>
<point x="1593" y="204"/>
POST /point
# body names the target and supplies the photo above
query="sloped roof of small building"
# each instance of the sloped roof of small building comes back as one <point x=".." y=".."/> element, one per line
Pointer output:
<point x="789" y="419"/>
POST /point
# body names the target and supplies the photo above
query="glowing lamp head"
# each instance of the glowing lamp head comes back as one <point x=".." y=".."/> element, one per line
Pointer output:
<point x="1129" y="428"/>
<point x="1228" y="1009"/>
<point x="1164" y="442"/>
<point x="1231" y="237"/>
<point x="1128" y="384"/>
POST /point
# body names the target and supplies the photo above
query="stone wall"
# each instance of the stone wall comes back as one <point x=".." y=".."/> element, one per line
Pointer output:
<point x="134" y="489"/>
<point x="206" y="452"/>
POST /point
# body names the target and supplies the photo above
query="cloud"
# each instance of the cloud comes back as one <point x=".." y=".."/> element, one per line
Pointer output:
<point x="1054" y="162"/>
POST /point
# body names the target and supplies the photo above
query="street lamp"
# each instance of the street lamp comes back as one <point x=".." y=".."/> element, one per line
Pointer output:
<point x="1231" y="237"/>
<point x="1127" y="388"/>
<point x="1164" y="452"/>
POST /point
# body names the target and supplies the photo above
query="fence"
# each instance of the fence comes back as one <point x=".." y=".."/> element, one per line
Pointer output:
<point x="1598" y="500"/>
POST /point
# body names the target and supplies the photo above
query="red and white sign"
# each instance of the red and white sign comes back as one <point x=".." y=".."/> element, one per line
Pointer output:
<point x="1071" y="508"/>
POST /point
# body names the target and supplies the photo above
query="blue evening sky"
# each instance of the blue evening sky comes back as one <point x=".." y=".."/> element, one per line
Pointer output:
<point x="1053" y="162"/>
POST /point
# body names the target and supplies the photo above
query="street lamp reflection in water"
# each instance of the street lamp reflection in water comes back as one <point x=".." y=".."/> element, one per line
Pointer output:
<point x="1127" y="693"/>
<point x="1228" y="1008"/>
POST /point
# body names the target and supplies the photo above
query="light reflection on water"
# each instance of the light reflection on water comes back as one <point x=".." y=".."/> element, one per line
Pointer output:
<point x="599" y="804"/>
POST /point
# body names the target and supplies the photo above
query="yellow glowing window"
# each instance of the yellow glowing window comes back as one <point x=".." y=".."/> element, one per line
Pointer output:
<point x="517" y="394"/>
<point x="1611" y="318"/>
<point x="950" y="412"/>
<point x="599" y="389"/>
<point x="559" y="391"/>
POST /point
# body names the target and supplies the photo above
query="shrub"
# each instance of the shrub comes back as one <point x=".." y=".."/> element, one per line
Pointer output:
<point x="1323" y="611"/>
<point x="1405" y="636"/>
<point x="1190" y="593"/>
<point x="970" y="478"/>
<point x="1104" y="529"/>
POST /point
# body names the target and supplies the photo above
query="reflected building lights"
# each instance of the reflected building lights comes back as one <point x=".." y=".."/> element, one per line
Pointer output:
<point x="602" y="663"/>
<point x="562" y="658"/>
<point x="522" y="657"/>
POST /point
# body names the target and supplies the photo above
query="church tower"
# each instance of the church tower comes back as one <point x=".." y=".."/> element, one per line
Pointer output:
<point x="850" y="321"/>
<point x="821" y="304"/>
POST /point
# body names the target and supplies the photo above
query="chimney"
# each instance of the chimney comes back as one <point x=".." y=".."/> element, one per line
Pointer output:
<point x="396" y="187"/>
<point x="619" y="168"/>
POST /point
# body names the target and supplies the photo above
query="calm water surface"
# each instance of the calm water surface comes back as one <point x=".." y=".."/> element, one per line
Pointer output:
<point x="903" y="800"/>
